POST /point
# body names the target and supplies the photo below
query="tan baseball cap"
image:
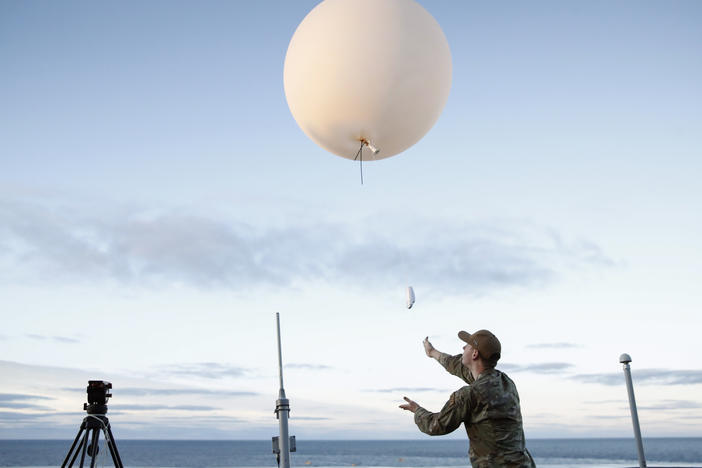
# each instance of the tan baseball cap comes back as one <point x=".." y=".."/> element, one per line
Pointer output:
<point x="484" y="341"/>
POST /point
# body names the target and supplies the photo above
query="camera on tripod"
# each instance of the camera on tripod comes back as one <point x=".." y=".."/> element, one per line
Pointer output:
<point x="87" y="441"/>
<point x="98" y="394"/>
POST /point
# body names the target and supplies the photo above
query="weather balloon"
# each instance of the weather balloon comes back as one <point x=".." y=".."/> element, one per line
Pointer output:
<point x="367" y="73"/>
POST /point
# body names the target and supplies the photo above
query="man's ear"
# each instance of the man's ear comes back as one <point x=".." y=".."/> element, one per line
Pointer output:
<point x="475" y="355"/>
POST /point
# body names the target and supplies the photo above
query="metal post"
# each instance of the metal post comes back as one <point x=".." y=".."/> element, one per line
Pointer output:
<point x="625" y="359"/>
<point x="282" y="409"/>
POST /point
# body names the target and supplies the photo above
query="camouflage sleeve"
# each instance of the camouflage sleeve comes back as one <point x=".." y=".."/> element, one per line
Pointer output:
<point x="448" y="419"/>
<point x="454" y="366"/>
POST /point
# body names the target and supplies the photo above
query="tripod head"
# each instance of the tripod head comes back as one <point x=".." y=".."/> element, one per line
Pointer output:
<point x="98" y="394"/>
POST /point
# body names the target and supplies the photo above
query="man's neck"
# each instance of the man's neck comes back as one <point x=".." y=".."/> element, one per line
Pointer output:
<point x="476" y="369"/>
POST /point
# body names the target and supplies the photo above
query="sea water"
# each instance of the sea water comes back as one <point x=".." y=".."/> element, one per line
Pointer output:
<point x="436" y="453"/>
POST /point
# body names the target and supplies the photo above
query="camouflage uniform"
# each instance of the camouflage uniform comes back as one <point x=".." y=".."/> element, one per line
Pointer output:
<point x="489" y="408"/>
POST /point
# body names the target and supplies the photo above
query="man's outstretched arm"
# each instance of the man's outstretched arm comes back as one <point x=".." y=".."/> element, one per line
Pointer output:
<point x="451" y="363"/>
<point x="444" y="422"/>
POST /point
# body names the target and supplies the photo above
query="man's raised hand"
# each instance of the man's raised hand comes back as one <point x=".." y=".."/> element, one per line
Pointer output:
<point x="428" y="347"/>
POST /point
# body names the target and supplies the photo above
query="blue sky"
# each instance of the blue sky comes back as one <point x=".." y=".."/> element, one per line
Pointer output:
<point x="158" y="205"/>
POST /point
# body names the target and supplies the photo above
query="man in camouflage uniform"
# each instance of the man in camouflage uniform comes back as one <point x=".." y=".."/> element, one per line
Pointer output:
<point x="488" y="406"/>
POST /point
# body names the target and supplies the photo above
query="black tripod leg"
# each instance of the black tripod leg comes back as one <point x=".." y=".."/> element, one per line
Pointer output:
<point x="111" y="444"/>
<point x="78" y="450"/>
<point x="73" y="446"/>
<point x="94" y="447"/>
<point x="84" y="443"/>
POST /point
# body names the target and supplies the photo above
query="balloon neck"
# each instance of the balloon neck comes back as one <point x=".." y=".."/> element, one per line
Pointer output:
<point x="370" y="146"/>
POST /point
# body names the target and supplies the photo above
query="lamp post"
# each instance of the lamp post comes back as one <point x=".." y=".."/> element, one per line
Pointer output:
<point x="625" y="359"/>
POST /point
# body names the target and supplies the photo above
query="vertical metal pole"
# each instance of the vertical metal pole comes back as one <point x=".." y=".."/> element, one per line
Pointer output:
<point x="625" y="359"/>
<point x="282" y="408"/>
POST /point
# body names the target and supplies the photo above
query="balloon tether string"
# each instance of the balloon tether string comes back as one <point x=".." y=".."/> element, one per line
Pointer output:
<point x="359" y="156"/>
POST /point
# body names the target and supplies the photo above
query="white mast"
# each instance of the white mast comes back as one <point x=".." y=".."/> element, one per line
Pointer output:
<point x="282" y="410"/>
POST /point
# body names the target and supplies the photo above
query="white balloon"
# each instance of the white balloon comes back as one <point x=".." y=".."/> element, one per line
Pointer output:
<point x="367" y="70"/>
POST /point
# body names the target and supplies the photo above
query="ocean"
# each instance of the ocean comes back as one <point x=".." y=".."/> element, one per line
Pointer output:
<point x="553" y="453"/>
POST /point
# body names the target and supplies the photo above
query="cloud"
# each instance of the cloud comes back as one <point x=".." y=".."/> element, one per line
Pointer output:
<point x="60" y="339"/>
<point x="129" y="391"/>
<point x="609" y="416"/>
<point x="19" y="401"/>
<point x="406" y="390"/>
<point x="554" y="346"/>
<point x="21" y="416"/>
<point x="121" y="407"/>
<point x="672" y="405"/>
<point x="645" y="377"/>
<point x="188" y="420"/>
<point x="309" y="418"/>
<point x="307" y="366"/>
<point x="208" y="370"/>
<point x="542" y="368"/>
<point x="4" y="397"/>
<point x="138" y="247"/>
<point x="20" y="405"/>
<point x="64" y="339"/>
<point x="7" y="416"/>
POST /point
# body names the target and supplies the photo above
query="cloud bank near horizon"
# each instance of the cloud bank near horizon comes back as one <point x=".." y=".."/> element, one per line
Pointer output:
<point x="562" y="345"/>
<point x="406" y="390"/>
<point x="540" y="368"/>
<point x="207" y="370"/>
<point x="177" y="412"/>
<point x="59" y="339"/>
<point x="645" y="377"/>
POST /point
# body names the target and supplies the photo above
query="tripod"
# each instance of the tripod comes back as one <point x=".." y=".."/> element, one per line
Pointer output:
<point x="91" y="426"/>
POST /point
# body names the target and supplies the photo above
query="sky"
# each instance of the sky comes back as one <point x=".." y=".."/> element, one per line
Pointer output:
<point x="159" y="204"/>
